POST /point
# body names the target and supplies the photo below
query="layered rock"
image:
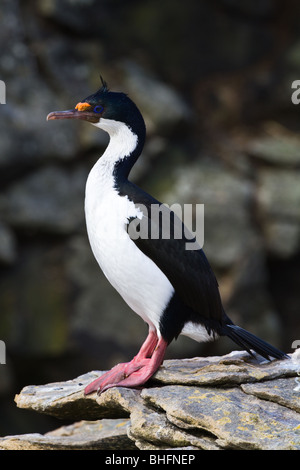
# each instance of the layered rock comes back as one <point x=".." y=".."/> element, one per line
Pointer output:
<point x="229" y="402"/>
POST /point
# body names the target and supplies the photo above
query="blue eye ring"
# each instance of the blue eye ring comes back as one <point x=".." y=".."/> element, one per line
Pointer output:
<point x="98" y="109"/>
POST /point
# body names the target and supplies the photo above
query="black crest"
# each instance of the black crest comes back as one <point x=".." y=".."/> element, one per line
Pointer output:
<point x="104" y="88"/>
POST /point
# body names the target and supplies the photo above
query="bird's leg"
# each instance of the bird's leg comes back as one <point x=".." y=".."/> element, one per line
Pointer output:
<point x="147" y="347"/>
<point x="122" y="371"/>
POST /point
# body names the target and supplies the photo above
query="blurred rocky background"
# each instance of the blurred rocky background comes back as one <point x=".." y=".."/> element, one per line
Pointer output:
<point x="213" y="80"/>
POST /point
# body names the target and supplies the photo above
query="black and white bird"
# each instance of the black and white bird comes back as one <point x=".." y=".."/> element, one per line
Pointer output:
<point x="173" y="289"/>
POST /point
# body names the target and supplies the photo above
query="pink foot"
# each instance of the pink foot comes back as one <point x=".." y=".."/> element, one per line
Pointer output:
<point x="136" y="372"/>
<point x="113" y="376"/>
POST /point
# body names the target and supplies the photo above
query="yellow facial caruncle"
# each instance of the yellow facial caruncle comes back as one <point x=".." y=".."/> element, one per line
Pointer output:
<point x="82" y="106"/>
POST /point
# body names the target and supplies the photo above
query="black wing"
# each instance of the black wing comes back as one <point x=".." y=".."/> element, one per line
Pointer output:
<point x="188" y="270"/>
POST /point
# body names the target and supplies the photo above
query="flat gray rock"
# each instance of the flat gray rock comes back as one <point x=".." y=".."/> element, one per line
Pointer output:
<point x="227" y="402"/>
<point x="66" y="400"/>
<point x="234" y="368"/>
<point x="237" y="420"/>
<point x="108" y="434"/>
<point x="286" y="392"/>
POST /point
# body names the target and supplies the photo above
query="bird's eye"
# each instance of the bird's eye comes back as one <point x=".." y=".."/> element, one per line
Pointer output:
<point x="98" y="109"/>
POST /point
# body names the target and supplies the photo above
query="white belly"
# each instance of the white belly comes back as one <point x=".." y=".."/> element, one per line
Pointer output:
<point x="136" y="277"/>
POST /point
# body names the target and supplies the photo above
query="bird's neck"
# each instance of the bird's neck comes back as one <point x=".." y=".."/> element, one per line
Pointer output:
<point x="123" y="150"/>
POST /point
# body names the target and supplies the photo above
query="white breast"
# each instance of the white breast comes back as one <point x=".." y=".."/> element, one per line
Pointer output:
<point x="135" y="276"/>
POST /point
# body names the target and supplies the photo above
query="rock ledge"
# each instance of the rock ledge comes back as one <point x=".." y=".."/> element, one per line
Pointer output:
<point x="228" y="402"/>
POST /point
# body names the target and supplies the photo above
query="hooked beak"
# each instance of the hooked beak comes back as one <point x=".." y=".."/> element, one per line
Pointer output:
<point x="89" y="116"/>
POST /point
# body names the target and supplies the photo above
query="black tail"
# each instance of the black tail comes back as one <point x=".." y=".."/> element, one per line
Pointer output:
<point x="247" y="340"/>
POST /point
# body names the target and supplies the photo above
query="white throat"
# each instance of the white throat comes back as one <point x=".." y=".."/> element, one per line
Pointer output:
<point x="122" y="141"/>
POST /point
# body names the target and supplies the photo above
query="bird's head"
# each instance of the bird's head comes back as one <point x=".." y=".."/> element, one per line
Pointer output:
<point x="105" y="109"/>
